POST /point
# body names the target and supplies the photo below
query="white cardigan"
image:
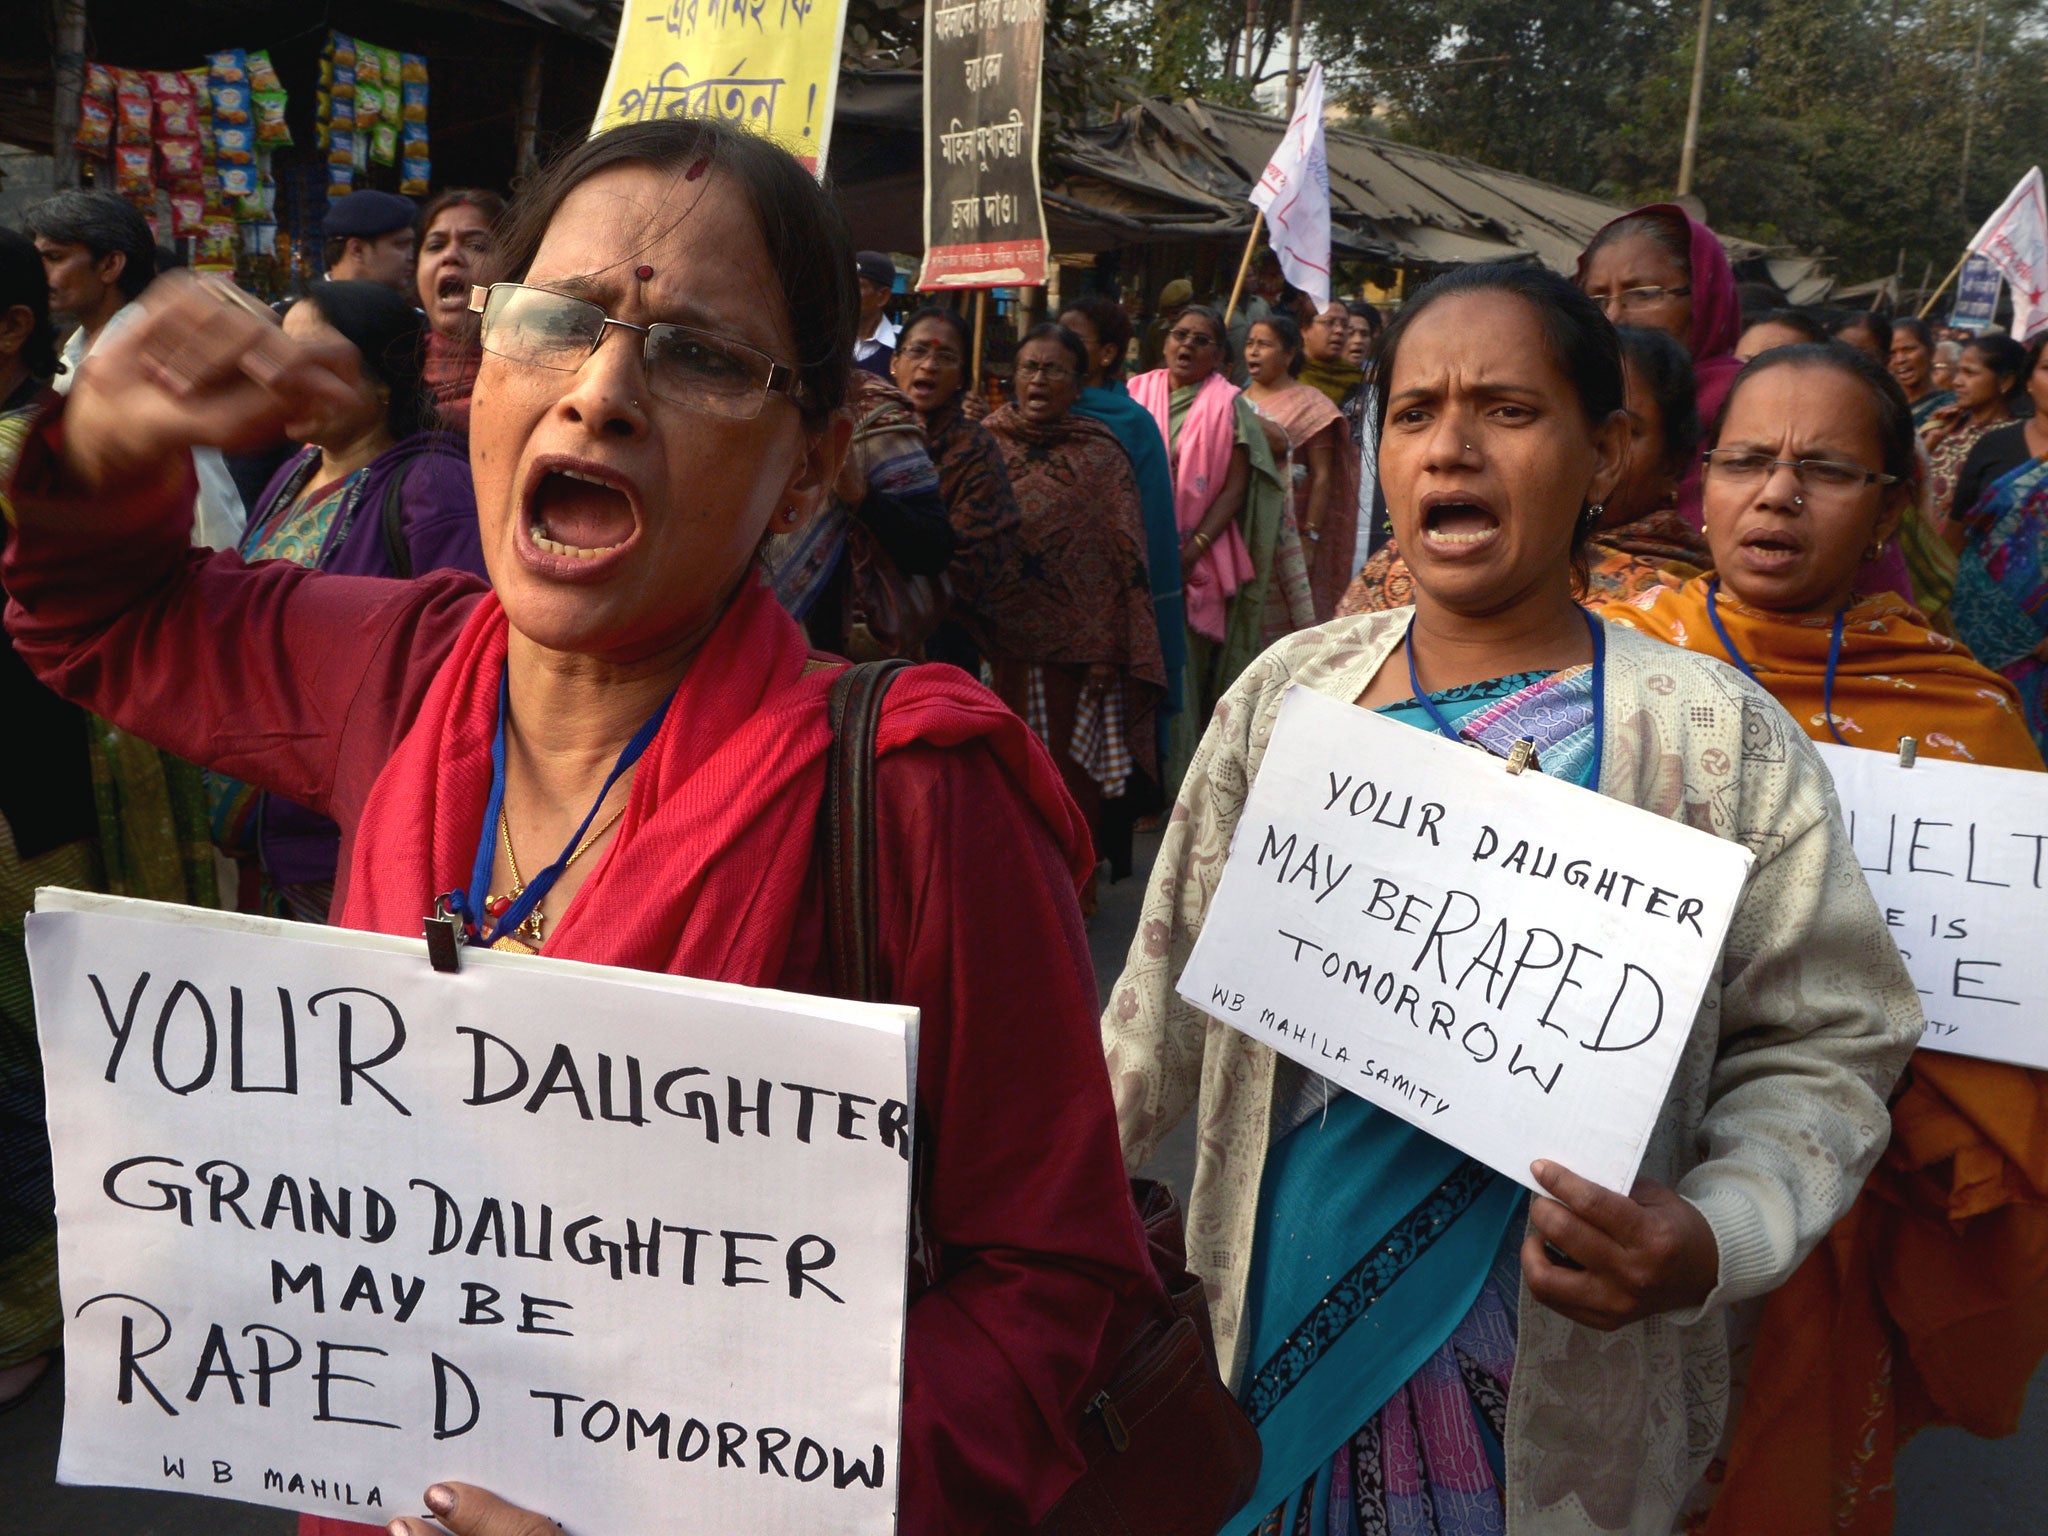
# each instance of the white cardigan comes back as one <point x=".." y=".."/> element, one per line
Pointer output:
<point x="1776" y="1112"/>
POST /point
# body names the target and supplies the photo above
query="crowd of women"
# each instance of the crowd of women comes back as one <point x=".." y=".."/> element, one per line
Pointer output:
<point x="1603" y="514"/>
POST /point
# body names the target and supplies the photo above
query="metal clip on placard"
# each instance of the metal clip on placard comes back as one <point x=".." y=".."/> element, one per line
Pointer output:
<point x="1522" y="756"/>
<point x="1909" y="750"/>
<point x="444" y="938"/>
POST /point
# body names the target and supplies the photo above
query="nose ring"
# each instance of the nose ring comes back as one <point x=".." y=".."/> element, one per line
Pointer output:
<point x="1798" y="501"/>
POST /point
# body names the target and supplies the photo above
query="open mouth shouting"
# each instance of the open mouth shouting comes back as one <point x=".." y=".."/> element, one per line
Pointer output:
<point x="1455" y="523"/>
<point x="1770" y="550"/>
<point x="577" y="518"/>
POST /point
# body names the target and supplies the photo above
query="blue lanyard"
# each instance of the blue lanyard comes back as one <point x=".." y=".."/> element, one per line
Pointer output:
<point x="1599" y="693"/>
<point x="469" y="905"/>
<point x="1827" y="687"/>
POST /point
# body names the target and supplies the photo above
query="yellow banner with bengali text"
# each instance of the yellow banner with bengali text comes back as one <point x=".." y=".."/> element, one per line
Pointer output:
<point x="771" y="65"/>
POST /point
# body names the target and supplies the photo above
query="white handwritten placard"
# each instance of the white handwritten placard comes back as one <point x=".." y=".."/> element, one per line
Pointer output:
<point x="1957" y="857"/>
<point x="625" y="1248"/>
<point x="1506" y="960"/>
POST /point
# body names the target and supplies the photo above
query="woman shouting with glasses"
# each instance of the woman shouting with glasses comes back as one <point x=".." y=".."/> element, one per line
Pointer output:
<point x="1920" y="1306"/>
<point x="665" y="361"/>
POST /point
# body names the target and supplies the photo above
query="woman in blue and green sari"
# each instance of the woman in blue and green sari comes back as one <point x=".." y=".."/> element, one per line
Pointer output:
<point x="1430" y="1346"/>
<point x="2000" y="606"/>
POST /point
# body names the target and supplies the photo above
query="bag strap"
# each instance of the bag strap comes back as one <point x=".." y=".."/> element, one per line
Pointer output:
<point x="397" y="554"/>
<point x="854" y="709"/>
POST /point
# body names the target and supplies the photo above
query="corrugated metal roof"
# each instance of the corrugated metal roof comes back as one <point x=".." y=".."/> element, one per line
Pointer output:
<point x="1196" y="161"/>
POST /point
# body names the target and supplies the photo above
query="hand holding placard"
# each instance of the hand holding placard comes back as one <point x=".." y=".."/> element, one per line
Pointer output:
<point x="1509" y="962"/>
<point x="1633" y="1256"/>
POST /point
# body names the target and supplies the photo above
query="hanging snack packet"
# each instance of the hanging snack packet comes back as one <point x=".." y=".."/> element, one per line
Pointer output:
<point x="271" y="127"/>
<point x="234" y="146"/>
<point x="392" y="69"/>
<point x="384" y="144"/>
<point x="414" y="109"/>
<point x="95" y="125"/>
<point x="133" y="114"/>
<point x="167" y="84"/>
<point x="341" y="147"/>
<point x="414" y="176"/>
<point x="412" y="68"/>
<point x="99" y="83"/>
<point x="238" y="182"/>
<point x="182" y="160"/>
<point x="214" y="250"/>
<point x="262" y="74"/>
<point x="341" y="180"/>
<point x="344" y="88"/>
<point x="344" y="50"/>
<point x="369" y="103"/>
<point x="188" y="213"/>
<point x="131" y="171"/>
<point x="369" y="64"/>
<point x="177" y="117"/>
<point x="230" y="66"/>
<point x="342" y="111"/>
<point x="230" y="105"/>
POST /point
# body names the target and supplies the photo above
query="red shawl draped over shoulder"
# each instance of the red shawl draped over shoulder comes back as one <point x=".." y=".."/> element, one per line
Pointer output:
<point x="374" y="702"/>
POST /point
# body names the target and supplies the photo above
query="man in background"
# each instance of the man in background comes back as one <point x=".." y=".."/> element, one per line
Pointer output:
<point x="98" y="256"/>
<point x="1173" y="298"/>
<point x="368" y="238"/>
<point x="874" y="348"/>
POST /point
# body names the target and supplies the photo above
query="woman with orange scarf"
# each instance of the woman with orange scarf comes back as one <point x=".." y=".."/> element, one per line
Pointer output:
<point x="1927" y="1303"/>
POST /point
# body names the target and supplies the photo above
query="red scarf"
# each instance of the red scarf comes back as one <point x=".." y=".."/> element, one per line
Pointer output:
<point x="704" y="877"/>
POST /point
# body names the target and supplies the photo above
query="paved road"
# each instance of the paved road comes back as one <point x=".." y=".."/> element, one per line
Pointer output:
<point x="1950" y="1484"/>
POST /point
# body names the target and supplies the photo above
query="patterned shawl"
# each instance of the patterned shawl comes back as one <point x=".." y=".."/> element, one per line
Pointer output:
<point x="1949" y="436"/>
<point x="1080" y="550"/>
<point x="1303" y="413"/>
<point x="449" y="372"/>
<point x="1896" y="678"/>
<point x="988" y="586"/>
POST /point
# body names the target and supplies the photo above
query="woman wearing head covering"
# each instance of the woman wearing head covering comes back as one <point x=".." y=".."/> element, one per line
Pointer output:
<point x="1639" y="543"/>
<point x="1558" y="1365"/>
<point x="455" y="241"/>
<point x="627" y="476"/>
<point x="375" y="491"/>
<point x="1085" y="672"/>
<point x="2000" y="604"/>
<point x="1322" y="465"/>
<point x="1926" y="1303"/>
<point x="1237" y="542"/>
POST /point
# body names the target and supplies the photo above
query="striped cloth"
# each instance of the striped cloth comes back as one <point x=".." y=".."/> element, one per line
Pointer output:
<point x="1099" y="743"/>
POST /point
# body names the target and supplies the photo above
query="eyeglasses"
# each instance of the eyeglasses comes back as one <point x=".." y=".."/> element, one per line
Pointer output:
<point x="685" y="366"/>
<point x="1627" y="299"/>
<point x="1747" y="469"/>
<point x="1195" y="339"/>
<point x="920" y="351"/>
<point x="1052" y="373"/>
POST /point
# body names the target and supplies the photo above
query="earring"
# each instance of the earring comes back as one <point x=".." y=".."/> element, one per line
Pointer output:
<point x="1592" y="515"/>
<point x="789" y="514"/>
<point x="1874" y="551"/>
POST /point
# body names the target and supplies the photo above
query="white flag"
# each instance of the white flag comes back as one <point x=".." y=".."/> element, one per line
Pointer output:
<point x="2016" y="237"/>
<point x="1295" y="194"/>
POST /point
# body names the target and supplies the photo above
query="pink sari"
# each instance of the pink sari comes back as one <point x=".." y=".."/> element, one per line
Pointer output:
<point x="1201" y="463"/>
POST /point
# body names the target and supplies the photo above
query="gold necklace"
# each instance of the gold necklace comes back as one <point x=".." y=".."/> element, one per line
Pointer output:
<point x="529" y="932"/>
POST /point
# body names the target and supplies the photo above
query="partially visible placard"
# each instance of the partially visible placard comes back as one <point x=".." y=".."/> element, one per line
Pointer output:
<point x="1977" y="290"/>
<point x="625" y="1248"/>
<point x="772" y="67"/>
<point x="1957" y="857"/>
<point x="1508" y="961"/>
<point x="984" y="223"/>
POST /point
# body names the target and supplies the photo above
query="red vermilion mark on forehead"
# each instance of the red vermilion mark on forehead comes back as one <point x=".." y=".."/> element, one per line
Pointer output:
<point x="643" y="272"/>
<point x="697" y="168"/>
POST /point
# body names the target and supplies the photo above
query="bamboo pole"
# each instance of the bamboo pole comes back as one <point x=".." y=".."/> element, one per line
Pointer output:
<point x="1251" y="244"/>
<point x="1926" y="308"/>
<point x="980" y="319"/>
<point x="1688" y="155"/>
